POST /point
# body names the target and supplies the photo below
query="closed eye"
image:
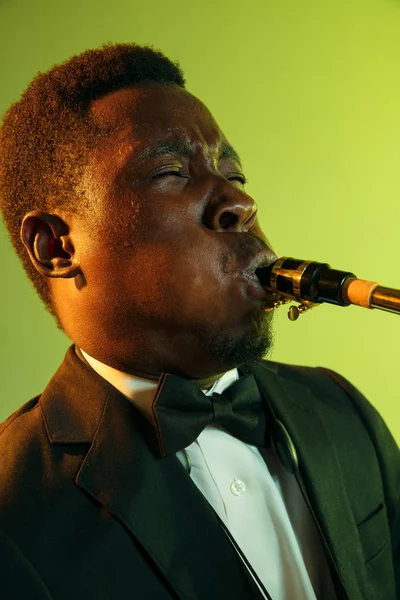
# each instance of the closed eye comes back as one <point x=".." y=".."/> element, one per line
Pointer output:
<point x="240" y="178"/>
<point x="177" y="173"/>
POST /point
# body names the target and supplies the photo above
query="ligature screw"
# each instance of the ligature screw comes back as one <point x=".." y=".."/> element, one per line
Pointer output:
<point x="295" y="311"/>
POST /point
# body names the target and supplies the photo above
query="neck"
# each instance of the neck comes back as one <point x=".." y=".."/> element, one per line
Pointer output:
<point x="208" y="382"/>
<point x="205" y="383"/>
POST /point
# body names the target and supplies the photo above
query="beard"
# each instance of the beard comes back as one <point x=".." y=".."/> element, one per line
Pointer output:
<point x="234" y="350"/>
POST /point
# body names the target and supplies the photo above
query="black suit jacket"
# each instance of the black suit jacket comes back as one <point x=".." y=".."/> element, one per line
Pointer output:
<point x="88" y="511"/>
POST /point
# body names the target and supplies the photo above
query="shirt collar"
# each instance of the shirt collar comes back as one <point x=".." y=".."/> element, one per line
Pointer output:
<point x="141" y="391"/>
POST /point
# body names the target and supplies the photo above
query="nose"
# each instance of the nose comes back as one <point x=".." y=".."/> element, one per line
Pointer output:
<point x="234" y="212"/>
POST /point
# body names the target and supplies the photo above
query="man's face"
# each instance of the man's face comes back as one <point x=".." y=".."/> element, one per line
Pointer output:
<point x="164" y="252"/>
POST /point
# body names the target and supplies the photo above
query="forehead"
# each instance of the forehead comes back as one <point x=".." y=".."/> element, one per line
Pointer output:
<point x="147" y="113"/>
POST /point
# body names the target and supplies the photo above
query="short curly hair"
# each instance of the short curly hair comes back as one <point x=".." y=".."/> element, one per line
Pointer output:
<point x="47" y="136"/>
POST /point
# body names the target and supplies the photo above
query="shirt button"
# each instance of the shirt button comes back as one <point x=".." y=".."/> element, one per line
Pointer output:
<point x="237" y="487"/>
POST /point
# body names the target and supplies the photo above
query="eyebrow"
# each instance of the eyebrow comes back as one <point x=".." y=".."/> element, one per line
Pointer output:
<point x="183" y="148"/>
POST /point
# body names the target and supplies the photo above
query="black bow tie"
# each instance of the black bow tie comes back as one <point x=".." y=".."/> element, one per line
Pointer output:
<point x="181" y="412"/>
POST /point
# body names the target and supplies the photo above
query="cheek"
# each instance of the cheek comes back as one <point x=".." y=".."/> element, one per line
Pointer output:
<point x="176" y="279"/>
<point x="164" y="262"/>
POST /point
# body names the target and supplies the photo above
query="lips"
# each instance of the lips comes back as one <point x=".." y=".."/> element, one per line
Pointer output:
<point x="254" y="285"/>
<point x="261" y="260"/>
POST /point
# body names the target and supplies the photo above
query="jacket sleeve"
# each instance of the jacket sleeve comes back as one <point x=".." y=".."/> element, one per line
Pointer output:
<point x="388" y="454"/>
<point x="18" y="578"/>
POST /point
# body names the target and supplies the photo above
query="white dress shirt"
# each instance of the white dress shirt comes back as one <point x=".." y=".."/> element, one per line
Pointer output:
<point x="259" y="501"/>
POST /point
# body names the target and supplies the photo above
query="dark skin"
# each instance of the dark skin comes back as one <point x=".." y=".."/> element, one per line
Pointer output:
<point x="150" y="281"/>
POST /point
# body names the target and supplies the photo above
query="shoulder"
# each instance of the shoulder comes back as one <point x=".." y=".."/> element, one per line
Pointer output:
<point x="319" y="380"/>
<point x="330" y="388"/>
<point x="32" y="470"/>
<point x="333" y="389"/>
<point x="21" y="435"/>
<point x="23" y="451"/>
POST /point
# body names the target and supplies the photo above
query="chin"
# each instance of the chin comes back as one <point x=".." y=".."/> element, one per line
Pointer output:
<point x="232" y="348"/>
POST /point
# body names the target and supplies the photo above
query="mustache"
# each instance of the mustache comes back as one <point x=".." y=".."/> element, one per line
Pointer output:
<point x="247" y="245"/>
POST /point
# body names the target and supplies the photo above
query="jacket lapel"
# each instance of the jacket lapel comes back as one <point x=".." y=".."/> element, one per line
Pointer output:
<point x="153" y="498"/>
<point x="319" y="468"/>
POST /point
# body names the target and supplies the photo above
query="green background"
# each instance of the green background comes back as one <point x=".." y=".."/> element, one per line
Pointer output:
<point x="308" y="92"/>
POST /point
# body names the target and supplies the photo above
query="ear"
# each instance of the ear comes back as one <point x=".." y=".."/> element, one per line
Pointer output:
<point x="45" y="237"/>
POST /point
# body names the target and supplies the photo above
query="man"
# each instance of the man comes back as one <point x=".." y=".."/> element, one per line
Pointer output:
<point x="167" y="458"/>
